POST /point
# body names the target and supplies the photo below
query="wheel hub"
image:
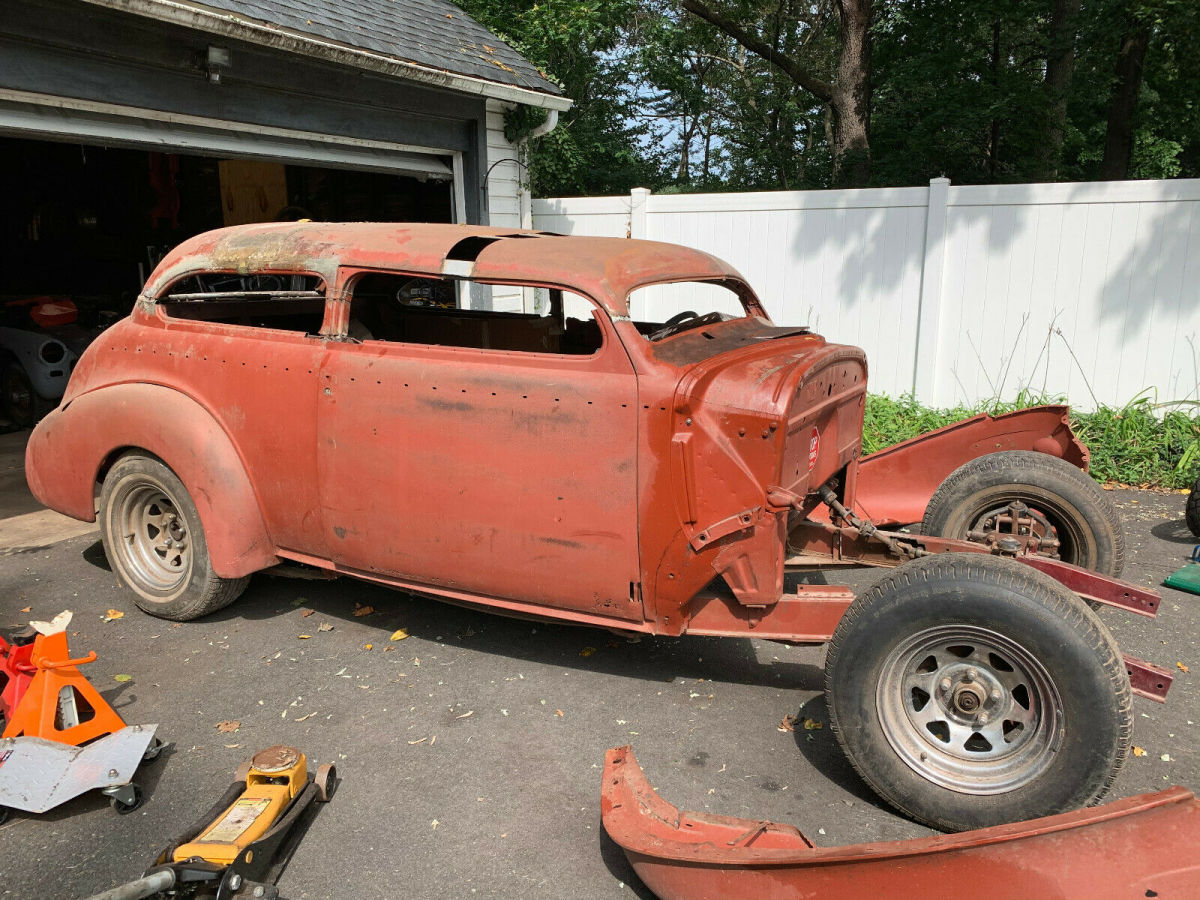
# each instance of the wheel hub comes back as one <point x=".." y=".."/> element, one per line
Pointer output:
<point x="1014" y="529"/>
<point x="156" y="548"/>
<point x="969" y="709"/>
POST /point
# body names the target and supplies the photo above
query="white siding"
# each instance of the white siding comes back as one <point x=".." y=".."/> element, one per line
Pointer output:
<point x="505" y="182"/>
<point x="1088" y="291"/>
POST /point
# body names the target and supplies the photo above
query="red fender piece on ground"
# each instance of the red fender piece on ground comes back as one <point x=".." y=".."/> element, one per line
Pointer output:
<point x="1144" y="846"/>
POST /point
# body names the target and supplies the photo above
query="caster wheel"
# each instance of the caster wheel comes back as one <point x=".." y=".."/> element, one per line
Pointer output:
<point x="152" y="752"/>
<point x="123" y="808"/>
<point x="326" y="782"/>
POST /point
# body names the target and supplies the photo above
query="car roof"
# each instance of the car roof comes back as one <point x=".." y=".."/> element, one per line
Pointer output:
<point x="605" y="268"/>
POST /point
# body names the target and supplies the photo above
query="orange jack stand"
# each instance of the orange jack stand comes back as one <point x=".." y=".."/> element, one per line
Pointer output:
<point x="60" y="704"/>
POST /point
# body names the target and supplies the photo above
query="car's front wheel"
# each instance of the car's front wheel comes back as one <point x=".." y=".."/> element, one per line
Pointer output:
<point x="155" y="542"/>
<point x="970" y="690"/>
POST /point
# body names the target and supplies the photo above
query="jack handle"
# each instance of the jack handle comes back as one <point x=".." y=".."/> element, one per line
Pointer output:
<point x="67" y="663"/>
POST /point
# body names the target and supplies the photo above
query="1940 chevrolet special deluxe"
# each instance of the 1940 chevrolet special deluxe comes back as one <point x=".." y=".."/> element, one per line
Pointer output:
<point x="639" y="449"/>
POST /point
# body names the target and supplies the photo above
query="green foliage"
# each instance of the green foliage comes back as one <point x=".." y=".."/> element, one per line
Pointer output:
<point x="580" y="44"/>
<point x="665" y="100"/>
<point x="1138" y="444"/>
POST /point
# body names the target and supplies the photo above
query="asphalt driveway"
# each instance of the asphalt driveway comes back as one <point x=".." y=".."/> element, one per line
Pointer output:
<point x="470" y="750"/>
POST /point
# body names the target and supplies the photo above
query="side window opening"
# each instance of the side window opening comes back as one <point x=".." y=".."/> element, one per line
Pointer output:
<point x="420" y="310"/>
<point x="286" y="302"/>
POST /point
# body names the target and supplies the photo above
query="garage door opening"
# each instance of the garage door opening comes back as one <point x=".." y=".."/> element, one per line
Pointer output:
<point x="84" y="225"/>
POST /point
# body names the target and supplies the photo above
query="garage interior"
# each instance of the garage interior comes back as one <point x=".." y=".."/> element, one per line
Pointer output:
<point x="90" y="222"/>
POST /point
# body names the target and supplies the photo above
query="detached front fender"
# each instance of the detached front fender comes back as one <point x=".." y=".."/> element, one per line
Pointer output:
<point x="67" y="449"/>
<point x="894" y="485"/>
<point x="1142" y="846"/>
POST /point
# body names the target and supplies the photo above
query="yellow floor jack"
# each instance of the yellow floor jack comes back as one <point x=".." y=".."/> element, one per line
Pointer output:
<point x="240" y="847"/>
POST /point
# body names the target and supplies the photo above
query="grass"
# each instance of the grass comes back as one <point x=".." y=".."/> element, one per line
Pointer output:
<point x="1138" y="444"/>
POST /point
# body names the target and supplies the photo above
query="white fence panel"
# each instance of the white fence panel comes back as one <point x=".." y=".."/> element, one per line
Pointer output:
<point x="959" y="294"/>
<point x="595" y="216"/>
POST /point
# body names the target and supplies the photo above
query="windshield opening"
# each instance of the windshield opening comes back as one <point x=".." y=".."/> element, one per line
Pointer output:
<point x="662" y="310"/>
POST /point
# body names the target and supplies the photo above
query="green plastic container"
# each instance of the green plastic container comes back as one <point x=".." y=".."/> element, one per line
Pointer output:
<point x="1187" y="578"/>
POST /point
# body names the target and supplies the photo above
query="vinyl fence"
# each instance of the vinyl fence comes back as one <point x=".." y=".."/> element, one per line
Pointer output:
<point x="959" y="294"/>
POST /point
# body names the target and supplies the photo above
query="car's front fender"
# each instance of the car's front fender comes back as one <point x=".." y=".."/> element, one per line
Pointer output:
<point x="67" y="450"/>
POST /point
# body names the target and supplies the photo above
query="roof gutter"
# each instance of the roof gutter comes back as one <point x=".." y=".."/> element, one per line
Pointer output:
<point x="547" y="126"/>
<point x="202" y="18"/>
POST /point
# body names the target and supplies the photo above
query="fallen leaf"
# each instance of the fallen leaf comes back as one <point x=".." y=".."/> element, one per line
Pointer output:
<point x="122" y="678"/>
<point x="324" y="626"/>
<point x="466" y="714"/>
<point x="788" y="724"/>
<point x="302" y="718"/>
<point x="26" y="609"/>
<point x="1138" y="751"/>
<point x="812" y="725"/>
<point x="232" y="746"/>
<point x="435" y="823"/>
<point x="305" y="637"/>
<point x="587" y="651"/>
<point x="113" y="614"/>
<point x="305" y="613"/>
<point x="399" y="634"/>
<point x="558" y="712"/>
<point x="1181" y="667"/>
<point x="1166" y="757"/>
<point x="368" y="646"/>
<point x="421" y="741"/>
<point x="360" y="611"/>
<point x="228" y="726"/>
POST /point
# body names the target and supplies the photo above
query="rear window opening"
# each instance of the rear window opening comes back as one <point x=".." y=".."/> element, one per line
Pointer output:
<point x="284" y="302"/>
<point x="421" y="310"/>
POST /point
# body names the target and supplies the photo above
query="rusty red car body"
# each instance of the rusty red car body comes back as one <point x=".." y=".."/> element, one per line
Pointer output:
<point x="1088" y="853"/>
<point x="683" y="441"/>
<point x="661" y="481"/>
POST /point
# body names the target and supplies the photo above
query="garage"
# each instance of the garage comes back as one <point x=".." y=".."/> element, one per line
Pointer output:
<point x="127" y="126"/>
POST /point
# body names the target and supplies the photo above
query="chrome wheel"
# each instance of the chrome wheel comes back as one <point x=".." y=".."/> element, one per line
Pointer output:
<point x="969" y="709"/>
<point x="155" y="547"/>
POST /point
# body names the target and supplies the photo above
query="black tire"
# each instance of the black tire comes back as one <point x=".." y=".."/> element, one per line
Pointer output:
<point x="22" y="405"/>
<point x="155" y="542"/>
<point x="124" y="809"/>
<point x="1192" y="514"/>
<point x="1084" y="519"/>
<point x="1033" y="646"/>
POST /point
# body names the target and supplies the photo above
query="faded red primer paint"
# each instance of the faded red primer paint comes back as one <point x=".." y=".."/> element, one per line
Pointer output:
<point x="611" y="489"/>
<point x="1143" y="846"/>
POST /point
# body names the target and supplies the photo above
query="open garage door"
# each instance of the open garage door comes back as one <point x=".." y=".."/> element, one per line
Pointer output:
<point x="95" y="195"/>
<point x="79" y="121"/>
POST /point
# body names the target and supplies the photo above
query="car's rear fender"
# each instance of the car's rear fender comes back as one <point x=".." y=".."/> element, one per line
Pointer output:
<point x="70" y="448"/>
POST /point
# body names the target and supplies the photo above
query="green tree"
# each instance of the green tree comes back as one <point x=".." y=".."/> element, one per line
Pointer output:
<point x="581" y="44"/>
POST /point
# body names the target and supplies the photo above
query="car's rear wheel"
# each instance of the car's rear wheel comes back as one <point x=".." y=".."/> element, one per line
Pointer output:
<point x="970" y="690"/>
<point x="155" y="542"/>
<point x="1029" y="496"/>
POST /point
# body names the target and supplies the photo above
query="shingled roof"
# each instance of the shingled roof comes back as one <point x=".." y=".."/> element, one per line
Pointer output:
<point x="427" y="40"/>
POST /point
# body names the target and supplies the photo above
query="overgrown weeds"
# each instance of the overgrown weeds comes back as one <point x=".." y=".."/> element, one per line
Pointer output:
<point x="1142" y="444"/>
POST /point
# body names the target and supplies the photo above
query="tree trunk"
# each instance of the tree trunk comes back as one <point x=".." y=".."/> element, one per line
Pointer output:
<point x="1060" y="68"/>
<point x="1118" y="139"/>
<point x="851" y="96"/>
<point x="994" y="130"/>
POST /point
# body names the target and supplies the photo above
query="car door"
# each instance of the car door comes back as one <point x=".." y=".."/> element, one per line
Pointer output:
<point x="507" y="474"/>
<point x="248" y="349"/>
